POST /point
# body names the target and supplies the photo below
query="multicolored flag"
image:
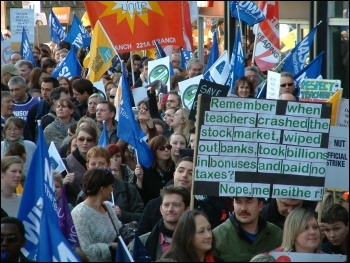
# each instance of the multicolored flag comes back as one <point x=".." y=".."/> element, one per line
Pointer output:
<point x="102" y="53"/>
<point x="267" y="48"/>
<point x="38" y="212"/>
<point x="138" y="23"/>
<point x="78" y="36"/>
<point x="247" y="11"/>
<point x="295" y="60"/>
<point x="237" y="62"/>
<point x="56" y="30"/>
<point x="69" y="66"/>
<point x="129" y="130"/>
<point x="25" y="49"/>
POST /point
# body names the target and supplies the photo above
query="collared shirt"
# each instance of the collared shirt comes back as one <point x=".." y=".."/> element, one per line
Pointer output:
<point x="164" y="242"/>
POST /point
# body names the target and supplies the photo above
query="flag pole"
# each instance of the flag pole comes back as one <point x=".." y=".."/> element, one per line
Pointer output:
<point x="240" y="28"/>
<point x="112" y="194"/>
<point x="255" y="28"/>
<point x="132" y="69"/>
<point x="136" y="155"/>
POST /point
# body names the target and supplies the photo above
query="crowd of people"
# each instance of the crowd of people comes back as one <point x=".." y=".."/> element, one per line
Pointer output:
<point x="107" y="188"/>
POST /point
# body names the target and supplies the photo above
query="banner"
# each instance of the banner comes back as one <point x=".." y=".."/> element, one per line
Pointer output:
<point x="267" y="48"/>
<point x="38" y="211"/>
<point x="138" y="23"/>
<point x="319" y="90"/>
<point x="247" y="11"/>
<point x="78" y="36"/>
<point x="69" y="66"/>
<point x="101" y="53"/>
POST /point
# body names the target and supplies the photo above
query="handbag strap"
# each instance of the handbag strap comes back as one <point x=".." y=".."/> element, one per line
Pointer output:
<point x="116" y="230"/>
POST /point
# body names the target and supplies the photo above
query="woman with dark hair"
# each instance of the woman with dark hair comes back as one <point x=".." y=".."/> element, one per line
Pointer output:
<point x="95" y="222"/>
<point x="193" y="240"/>
<point x="76" y="161"/>
<point x="136" y="63"/>
<point x="49" y="65"/>
<point x="244" y="88"/>
<point x="36" y="78"/>
<point x="150" y="181"/>
<point x="64" y="82"/>
<point x="118" y="168"/>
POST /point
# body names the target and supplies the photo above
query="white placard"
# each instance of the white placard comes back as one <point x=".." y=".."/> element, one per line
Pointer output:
<point x="337" y="173"/>
<point x="139" y="94"/>
<point x="159" y="70"/>
<point x="343" y="113"/>
<point x="101" y="88"/>
<point x="6" y="51"/>
<point x="22" y="18"/>
<point x="273" y="85"/>
<point x="187" y="91"/>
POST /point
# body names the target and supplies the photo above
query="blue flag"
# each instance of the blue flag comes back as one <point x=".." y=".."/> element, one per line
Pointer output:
<point x="262" y="93"/>
<point x="2" y="37"/>
<point x="25" y="49"/>
<point x="69" y="66"/>
<point x="296" y="58"/>
<point x="237" y="62"/>
<point x="214" y="53"/>
<point x="103" y="137"/>
<point x="183" y="59"/>
<point x="78" y="35"/>
<point x="249" y="12"/>
<point x="57" y="32"/>
<point x="160" y="53"/>
<point x="310" y="71"/>
<point x="128" y="128"/>
<point x="38" y="211"/>
<point x="139" y="252"/>
<point x="123" y="254"/>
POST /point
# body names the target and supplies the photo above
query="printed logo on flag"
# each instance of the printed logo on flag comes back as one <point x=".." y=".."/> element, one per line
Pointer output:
<point x="106" y="53"/>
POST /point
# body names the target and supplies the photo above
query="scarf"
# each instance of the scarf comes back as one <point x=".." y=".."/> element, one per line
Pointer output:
<point x="153" y="239"/>
<point x="7" y="142"/>
<point x="79" y="158"/>
<point x="63" y="128"/>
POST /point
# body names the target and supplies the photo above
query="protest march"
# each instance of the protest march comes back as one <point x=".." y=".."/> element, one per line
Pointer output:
<point x="131" y="135"/>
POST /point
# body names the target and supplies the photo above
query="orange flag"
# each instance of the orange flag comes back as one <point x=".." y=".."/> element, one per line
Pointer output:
<point x="135" y="25"/>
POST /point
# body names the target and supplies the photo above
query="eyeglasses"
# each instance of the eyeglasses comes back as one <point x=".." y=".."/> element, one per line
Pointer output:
<point x="252" y="76"/>
<point x="9" y="239"/>
<point x="287" y="84"/>
<point x="81" y="139"/>
<point x="162" y="148"/>
<point x="112" y="96"/>
<point x="13" y="130"/>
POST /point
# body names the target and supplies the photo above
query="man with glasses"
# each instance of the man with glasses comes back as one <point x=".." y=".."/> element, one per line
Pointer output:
<point x="253" y="74"/>
<point x="12" y="240"/>
<point x="287" y="85"/>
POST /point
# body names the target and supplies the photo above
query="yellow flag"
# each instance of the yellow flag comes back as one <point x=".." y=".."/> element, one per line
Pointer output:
<point x="85" y="20"/>
<point x="101" y="53"/>
<point x="86" y="61"/>
<point x="335" y="100"/>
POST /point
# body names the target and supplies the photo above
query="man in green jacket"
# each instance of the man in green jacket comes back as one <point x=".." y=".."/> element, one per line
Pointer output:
<point x="245" y="234"/>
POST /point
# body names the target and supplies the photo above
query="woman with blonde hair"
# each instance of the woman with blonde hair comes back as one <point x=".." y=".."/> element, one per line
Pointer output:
<point x="92" y="102"/>
<point x="180" y="122"/>
<point x="178" y="142"/>
<point x="89" y="122"/>
<point x="301" y="232"/>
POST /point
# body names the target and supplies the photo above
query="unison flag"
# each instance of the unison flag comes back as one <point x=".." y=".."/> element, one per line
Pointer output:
<point x="69" y="66"/>
<point x="310" y="71"/>
<point x="267" y="48"/>
<point x="296" y="58"/>
<point x="183" y="59"/>
<point x="237" y="62"/>
<point x="25" y="50"/>
<point x="214" y="52"/>
<point x="78" y="36"/>
<point x="247" y="11"/>
<point x="101" y="53"/>
<point x="55" y="159"/>
<point x="219" y="71"/>
<point x="138" y="23"/>
<point x="123" y="254"/>
<point x="139" y="252"/>
<point x="103" y="137"/>
<point x="128" y="128"/>
<point x="57" y="32"/>
<point x="38" y="211"/>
